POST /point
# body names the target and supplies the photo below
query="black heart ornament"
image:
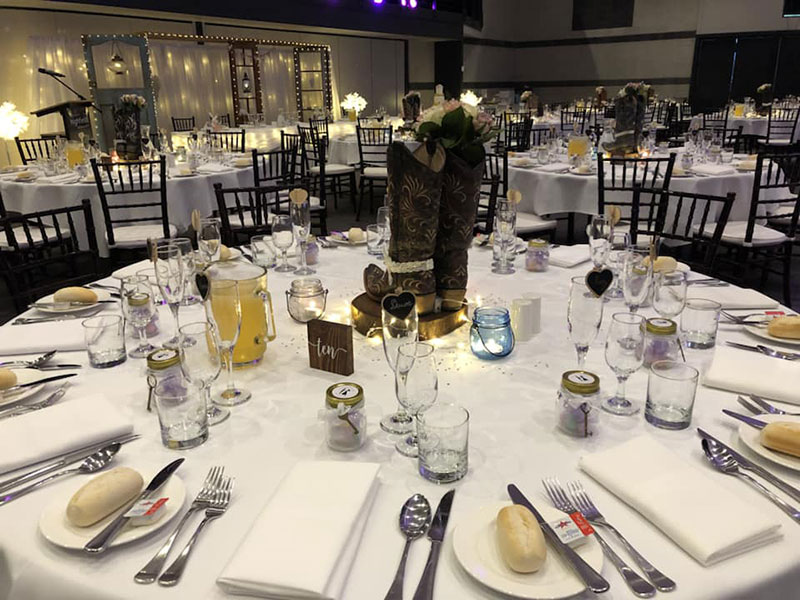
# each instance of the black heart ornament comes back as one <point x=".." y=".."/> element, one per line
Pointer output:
<point x="399" y="305"/>
<point x="201" y="280"/>
<point x="599" y="281"/>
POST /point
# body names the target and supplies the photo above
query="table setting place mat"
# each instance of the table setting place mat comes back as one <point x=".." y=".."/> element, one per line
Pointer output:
<point x="553" y="167"/>
<point x="706" y="520"/>
<point x="746" y="372"/>
<point x="708" y="169"/>
<point x="63" y="427"/>
<point x="36" y="338"/>
<point x="567" y="257"/>
<point x="732" y="297"/>
<point x="303" y="543"/>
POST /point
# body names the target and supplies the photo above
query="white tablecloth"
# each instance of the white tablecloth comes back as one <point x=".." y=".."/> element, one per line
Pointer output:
<point x="184" y="194"/>
<point x="512" y="439"/>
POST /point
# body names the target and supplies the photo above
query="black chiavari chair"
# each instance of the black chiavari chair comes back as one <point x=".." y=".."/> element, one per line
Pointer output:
<point x="572" y="120"/>
<point x="247" y="211"/>
<point x="781" y="126"/>
<point x="322" y="172"/>
<point x="517" y="136"/>
<point x="35" y="148"/>
<point x="321" y="125"/>
<point x="183" y="123"/>
<point x="540" y="136"/>
<point x="291" y="141"/>
<point x="487" y="204"/>
<point x="224" y="120"/>
<point x="274" y="167"/>
<point x="229" y="141"/>
<point x="372" y="145"/>
<point x="717" y="119"/>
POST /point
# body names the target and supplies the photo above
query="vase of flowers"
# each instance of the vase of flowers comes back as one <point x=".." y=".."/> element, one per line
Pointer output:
<point x="763" y="98"/>
<point x="629" y="107"/>
<point x="353" y="103"/>
<point x="128" y="125"/>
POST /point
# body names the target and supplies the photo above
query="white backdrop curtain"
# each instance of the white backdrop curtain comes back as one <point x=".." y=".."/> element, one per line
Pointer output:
<point x="277" y="81"/>
<point x="192" y="80"/>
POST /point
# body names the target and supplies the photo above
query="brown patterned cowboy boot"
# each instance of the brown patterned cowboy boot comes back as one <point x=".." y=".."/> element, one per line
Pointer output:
<point x="414" y="189"/>
<point x="461" y="188"/>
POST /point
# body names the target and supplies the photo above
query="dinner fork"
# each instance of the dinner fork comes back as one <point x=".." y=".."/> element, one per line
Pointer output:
<point x="582" y="500"/>
<point x="217" y="507"/>
<point x="150" y="571"/>
<point x="638" y="585"/>
<point x="769" y="407"/>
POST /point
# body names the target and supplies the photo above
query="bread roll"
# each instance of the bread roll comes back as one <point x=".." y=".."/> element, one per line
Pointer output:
<point x="785" y="327"/>
<point x="103" y="495"/>
<point x="7" y="378"/>
<point x="782" y="436"/>
<point x="663" y="264"/>
<point x="224" y="252"/>
<point x="355" y="234"/>
<point x="75" y="294"/>
<point x="520" y="539"/>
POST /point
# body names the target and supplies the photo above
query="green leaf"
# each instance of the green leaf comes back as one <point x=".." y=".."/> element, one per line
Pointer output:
<point x="453" y="123"/>
<point x="429" y="129"/>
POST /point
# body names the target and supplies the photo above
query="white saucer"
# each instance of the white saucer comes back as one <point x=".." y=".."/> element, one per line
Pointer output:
<point x="750" y="436"/>
<point x="57" y="530"/>
<point x="476" y="550"/>
<point x="764" y="334"/>
<point x="101" y="295"/>
<point x="24" y="376"/>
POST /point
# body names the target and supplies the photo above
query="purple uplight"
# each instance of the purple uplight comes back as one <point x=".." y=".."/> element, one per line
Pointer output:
<point x="413" y="3"/>
<point x="377" y="1"/>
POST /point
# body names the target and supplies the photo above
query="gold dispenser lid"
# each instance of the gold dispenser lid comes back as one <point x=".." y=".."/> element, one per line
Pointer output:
<point x="346" y="393"/>
<point x="661" y="326"/>
<point x="163" y="358"/>
<point x="538" y="243"/>
<point x="580" y="382"/>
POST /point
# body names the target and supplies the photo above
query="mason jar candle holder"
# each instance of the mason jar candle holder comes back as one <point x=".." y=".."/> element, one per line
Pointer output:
<point x="306" y="299"/>
<point x="491" y="336"/>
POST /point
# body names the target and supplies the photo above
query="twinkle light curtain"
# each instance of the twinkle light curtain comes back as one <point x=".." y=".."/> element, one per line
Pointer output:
<point x="277" y="81"/>
<point x="192" y="80"/>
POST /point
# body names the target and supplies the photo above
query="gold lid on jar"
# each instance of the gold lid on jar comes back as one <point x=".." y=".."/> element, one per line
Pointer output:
<point x="580" y="382"/>
<point x="660" y="326"/>
<point x="138" y="299"/>
<point x="538" y="243"/>
<point x="163" y="358"/>
<point x="346" y="393"/>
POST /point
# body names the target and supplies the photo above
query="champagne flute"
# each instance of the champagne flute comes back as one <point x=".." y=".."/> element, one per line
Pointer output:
<point x="283" y="237"/>
<point x="397" y="332"/>
<point x="624" y="354"/>
<point x="225" y="315"/>
<point x="189" y="270"/>
<point x="599" y="231"/>
<point x="209" y="239"/>
<point x="169" y="274"/>
<point x="637" y="277"/>
<point x="618" y="244"/>
<point x="416" y="386"/>
<point x="201" y="364"/>
<point x="584" y="316"/>
<point x="301" y="223"/>
<point x="505" y="234"/>
<point x="669" y="293"/>
<point x="138" y="308"/>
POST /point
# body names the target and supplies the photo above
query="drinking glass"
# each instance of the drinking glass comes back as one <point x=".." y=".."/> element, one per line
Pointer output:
<point x="263" y="251"/>
<point x="169" y="274"/>
<point x="301" y="222"/>
<point x="397" y="332"/>
<point x="505" y="234"/>
<point x="283" y="238"/>
<point x="584" y="315"/>
<point x="699" y="323"/>
<point x="181" y="414"/>
<point x="443" y="438"/>
<point x="105" y="340"/>
<point x="618" y="244"/>
<point x="624" y="354"/>
<point x="637" y="275"/>
<point x="671" y="387"/>
<point x="209" y="239"/>
<point x="599" y="231"/>
<point x="138" y="308"/>
<point x="375" y="235"/>
<point x="189" y="269"/>
<point x="201" y="364"/>
<point x="225" y="296"/>
<point x="669" y="293"/>
<point x="416" y="386"/>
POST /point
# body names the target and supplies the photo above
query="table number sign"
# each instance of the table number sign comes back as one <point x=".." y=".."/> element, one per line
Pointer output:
<point x="330" y="347"/>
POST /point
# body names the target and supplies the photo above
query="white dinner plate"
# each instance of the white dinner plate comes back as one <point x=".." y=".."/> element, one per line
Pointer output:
<point x="57" y="530"/>
<point x="101" y="295"/>
<point x="24" y="376"/>
<point x="683" y="267"/>
<point x="345" y="242"/>
<point x="574" y="171"/>
<point x="179" y="174"/>
<point x="764" y="334"/>
<point x="476" y="550"/>
<point x="750" y="436"/>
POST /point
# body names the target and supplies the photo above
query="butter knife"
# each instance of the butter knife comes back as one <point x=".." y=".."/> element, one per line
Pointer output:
<point x="21" y="386"/>
<point x="100" y="542"/>
<point x="749" y="465"/>
<point x="582" y="569"/>
<point x="436" y="536"/>
<point x="757" y="423"/>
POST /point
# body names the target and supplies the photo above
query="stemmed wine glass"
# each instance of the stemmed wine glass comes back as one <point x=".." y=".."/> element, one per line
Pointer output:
<point x="201" y="364"/>
<point x="505" y="234"/>
<point x="618" y="244"/>
<point x="138" y="308"/>
<point x="225" y="315"/>
<point x="669" y="293"/>
<point x="397" y="332"/>
<point x="169" y="275"/>
<point x="584" y="315"/>
<point x="637" y="277"/>
<point x="624" y="354"/>
<point x="282" y="238"/>
<point x="209" y="239"/>
<point x="301" y="221"/>
<point x="189" y="268"/>
<point x="599" y="231"/>
<point x="416" y="386"/>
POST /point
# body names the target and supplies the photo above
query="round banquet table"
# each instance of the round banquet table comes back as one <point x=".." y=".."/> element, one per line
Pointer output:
<point x="184" y="194"/>
<point x="512" y="439"/>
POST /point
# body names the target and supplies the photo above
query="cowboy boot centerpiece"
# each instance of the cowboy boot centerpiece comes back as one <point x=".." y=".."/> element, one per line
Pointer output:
<point x="629" y="107"/>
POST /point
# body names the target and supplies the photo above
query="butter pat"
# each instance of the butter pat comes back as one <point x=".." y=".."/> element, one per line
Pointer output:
<point x="147" y="512"/>
<point x="782" y="436"/>
<point x="572" y="529"/>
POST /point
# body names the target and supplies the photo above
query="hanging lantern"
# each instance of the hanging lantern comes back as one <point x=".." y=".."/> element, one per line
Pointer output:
<point x="246" y="83"/>
<point x="116" y="64"/>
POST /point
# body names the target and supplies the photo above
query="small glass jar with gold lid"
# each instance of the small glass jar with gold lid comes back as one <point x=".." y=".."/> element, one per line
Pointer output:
<point x="578" y="403"/>
<point x="537" y="257"/>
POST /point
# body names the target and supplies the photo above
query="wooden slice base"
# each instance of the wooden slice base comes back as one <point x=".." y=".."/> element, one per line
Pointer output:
<point x="367" y="319"/>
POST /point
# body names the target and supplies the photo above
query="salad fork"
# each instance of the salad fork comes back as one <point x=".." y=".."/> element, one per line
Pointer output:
<point x="204" y="497"/>
<point x="593" y="515"/>
<point x="217" y="507"/>
<point x="638" y="585"/>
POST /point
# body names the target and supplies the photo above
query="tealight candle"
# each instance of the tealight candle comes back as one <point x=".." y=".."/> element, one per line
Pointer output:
<point x="306" y="299"/>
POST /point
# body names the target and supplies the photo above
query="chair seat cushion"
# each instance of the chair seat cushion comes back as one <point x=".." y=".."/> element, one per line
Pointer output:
<point x="376" y="172"/>
<point x="533" y="223"/>
<point x="22" y="239"/>
<point x="334" y="169"/>
<point x="735" y="231"/>
<point x="136" y="236"/>
<point x="313" y="201"/>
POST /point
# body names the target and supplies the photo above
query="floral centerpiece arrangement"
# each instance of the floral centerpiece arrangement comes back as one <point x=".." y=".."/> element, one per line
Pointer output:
<point x="127" y="125"/>
<point x="459" y="127"/>
<point x="353" y="103"/>
<point x="601" y="95"/>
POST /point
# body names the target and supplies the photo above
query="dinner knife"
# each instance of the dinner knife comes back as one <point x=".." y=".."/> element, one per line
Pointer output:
<point x="744" y="347"/>
<point x="757" y="423"/>
<point x="100" y="542"/>
<point x="747" y="464"/>
<point x="69" y="304"/>
<point x="436" y="536"/>
<point x="582" y="569"/>
<point x="57" y="367"/>
<point x="20" y="386"/>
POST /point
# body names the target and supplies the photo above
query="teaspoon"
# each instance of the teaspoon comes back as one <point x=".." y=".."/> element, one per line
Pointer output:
<point x="415" y="517"/>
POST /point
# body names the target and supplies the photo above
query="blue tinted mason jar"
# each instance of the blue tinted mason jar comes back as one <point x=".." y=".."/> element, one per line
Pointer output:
<point x="490" y="336"/>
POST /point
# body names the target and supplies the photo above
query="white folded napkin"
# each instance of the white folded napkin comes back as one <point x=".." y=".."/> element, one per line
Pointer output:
<point x="554" y="167"/>
<point x="213" y="168"/>
<point x="732" y="297"/>
<point x="302" y="545"/>
<point x="64" y="178"/>
<point x="71" y="424"/>
<point x="705" y="519"/>
<point x="569" y="256"/>
<point x="42" y="337"/>
<point x="707" y="169"/>
<point x="747" y="372"/>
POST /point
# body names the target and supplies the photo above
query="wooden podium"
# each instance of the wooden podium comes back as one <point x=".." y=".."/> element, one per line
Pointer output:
<point x="74" y="115"/>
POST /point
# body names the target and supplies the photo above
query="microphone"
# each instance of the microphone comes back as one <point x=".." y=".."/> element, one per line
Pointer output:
<point x="49" y="72"/>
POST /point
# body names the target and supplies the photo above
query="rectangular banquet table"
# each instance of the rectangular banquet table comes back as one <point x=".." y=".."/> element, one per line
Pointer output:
<point x="512" y="439"/>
